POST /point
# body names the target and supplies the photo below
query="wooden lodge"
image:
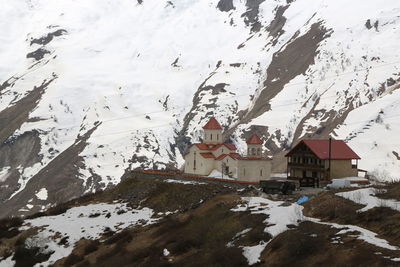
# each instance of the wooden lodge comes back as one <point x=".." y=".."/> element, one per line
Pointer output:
<point x="316" y="162"/>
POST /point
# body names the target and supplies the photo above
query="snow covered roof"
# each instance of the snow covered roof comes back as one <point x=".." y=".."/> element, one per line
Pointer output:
<point x="254" y="140"/>
<point x="340" y="150"/>
<point x="212" y="124"/>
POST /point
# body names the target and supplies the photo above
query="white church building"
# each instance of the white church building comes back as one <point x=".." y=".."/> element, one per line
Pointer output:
<point x="216" y="156"/>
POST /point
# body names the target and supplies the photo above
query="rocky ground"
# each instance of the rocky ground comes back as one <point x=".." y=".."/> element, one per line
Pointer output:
<point x="153" y="221"/>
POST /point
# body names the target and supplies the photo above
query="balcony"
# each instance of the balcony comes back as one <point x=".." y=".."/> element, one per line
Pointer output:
<point x="305" y="166"/>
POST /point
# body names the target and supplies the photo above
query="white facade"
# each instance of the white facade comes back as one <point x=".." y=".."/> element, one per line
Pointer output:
<point x="214" y="154"/>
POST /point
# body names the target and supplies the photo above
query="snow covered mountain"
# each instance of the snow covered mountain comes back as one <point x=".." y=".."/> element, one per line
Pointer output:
<point x="92" y="89"/>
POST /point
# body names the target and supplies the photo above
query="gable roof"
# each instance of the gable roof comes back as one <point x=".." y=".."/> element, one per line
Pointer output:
<point x="212" y="124"/>
<point x="232" y="155"/>
<point x="207" y="155"/>
<point x="212" y="147"/>
<point x="254" y="140"/>
<point x="340" y="150"/>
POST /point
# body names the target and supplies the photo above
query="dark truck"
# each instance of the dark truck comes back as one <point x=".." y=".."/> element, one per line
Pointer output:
<point x="277" y="187"/>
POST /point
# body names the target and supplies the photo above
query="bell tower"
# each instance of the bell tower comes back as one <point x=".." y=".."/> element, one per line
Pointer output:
<point x="212" y="132"/>
<point x="254" y="146"/>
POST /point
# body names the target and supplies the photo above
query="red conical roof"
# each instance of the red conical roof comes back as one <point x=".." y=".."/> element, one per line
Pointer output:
<point x="212" y="124"/>
<point x="254" y="140"/>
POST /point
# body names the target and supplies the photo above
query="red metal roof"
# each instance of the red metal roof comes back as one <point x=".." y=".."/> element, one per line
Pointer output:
<point x="254" y="140"/>
<point x="208" y="155"/>
<point x="221" y="157"/>
<point x="339" y="149"/>
<point x="202" y="146"/>
<point x="213" y="147"/>
<point x="212" y="124"/>
<point x="230" y="146"/>
<point x="232" y="155"/>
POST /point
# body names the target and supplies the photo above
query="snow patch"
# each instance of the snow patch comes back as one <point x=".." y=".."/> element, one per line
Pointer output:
<point x="219" y="175"/>
<point x="83" y="222"/>
<point x="366" y="196"/>
<point x="42" y="194"/>
<point x="281" y="214"/>
<point x="166" y="252"/>
<point x="182" y="182"/>
<point x="4" y="173"/>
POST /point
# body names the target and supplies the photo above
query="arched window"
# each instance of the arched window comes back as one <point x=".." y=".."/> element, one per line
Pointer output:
<point x="253" y="151"/>
<point x="259" y="151"/>
<point x="210" y="136"/>
<point x="261" y="172"/>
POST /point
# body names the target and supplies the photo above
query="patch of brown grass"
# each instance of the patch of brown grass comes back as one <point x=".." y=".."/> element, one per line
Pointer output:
<point x="311" y="245"/>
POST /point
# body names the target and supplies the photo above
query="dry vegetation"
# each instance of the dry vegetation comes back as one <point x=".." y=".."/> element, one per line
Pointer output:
<point x="199" y="232"/>
<point x="331" y="208"/>
<point x="311" y="245"/>
<point x="198" y="237"/>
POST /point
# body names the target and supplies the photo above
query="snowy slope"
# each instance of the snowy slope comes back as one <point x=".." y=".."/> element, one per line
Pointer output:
<point x="102" y="87"/>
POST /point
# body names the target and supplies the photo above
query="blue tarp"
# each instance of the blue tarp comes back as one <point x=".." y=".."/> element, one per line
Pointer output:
<point x="302" y="199"/>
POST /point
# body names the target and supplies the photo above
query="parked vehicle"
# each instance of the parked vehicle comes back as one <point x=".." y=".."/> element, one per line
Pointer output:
<point x="278" y="187"/>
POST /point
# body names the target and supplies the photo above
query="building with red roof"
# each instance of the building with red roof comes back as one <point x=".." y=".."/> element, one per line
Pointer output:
<point x="214" y="154"/>
<point x="319" y="161"/>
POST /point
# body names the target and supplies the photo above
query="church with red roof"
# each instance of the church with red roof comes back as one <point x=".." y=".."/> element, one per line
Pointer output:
<point x="216" y="158"/>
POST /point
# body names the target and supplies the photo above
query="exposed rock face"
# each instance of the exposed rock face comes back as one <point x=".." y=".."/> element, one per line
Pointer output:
<point x="90" y="91"/>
